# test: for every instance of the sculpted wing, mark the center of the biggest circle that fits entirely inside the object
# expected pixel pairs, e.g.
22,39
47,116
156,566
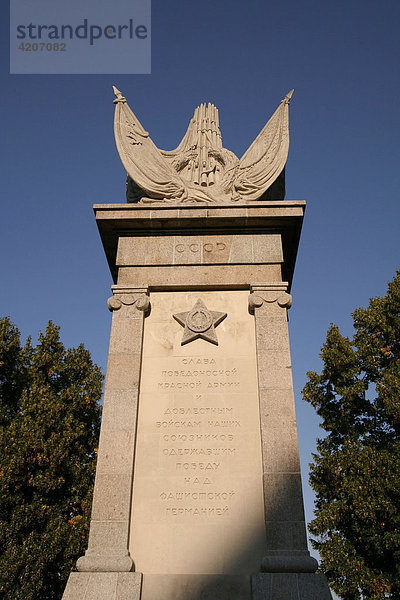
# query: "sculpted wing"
263,162
141,158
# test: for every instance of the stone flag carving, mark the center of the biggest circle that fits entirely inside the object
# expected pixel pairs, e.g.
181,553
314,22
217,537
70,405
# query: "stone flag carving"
200,169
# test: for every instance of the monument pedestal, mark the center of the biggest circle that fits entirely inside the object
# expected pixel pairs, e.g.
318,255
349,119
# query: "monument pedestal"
290,586
198,489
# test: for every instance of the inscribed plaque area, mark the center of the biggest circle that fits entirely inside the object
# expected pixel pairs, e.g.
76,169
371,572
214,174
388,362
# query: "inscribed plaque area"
197,499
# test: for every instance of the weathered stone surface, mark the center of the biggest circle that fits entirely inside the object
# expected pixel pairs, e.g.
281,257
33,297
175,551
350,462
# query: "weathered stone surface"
277,405
199,276
108,538
105,563
126,337
283,498
110,586
281,452
116,452
123,371
196,587
199,249
197,499
237,222
120,411
113,496
284,535
275,369
290,586
279,440
272,333
288,561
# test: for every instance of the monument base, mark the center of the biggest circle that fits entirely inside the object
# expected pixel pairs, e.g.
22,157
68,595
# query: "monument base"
103,586
135,586
196,587
290,586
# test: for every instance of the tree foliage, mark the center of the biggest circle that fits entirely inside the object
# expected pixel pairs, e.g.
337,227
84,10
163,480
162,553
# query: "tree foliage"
49,426
356,472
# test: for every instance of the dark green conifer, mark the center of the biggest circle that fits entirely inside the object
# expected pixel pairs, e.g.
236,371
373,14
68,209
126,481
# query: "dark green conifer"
356,471
49,427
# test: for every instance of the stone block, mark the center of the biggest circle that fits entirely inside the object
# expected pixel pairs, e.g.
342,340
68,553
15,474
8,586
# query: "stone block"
76,586
222,212
126,336
119,410
280,452
132,250
196,587
145,250
115,452
103,586
129,586
278,431
105,563
216,248
164,213
112,497
283,535
197,213
290,586
275,369
187,250
274,211
199,249
203,276
160,250
122,371
283,497
271,587
277,405
267,248
108,537
288,561
241,249
272,332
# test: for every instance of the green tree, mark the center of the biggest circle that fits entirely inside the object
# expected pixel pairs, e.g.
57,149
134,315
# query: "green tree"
49,427
356,471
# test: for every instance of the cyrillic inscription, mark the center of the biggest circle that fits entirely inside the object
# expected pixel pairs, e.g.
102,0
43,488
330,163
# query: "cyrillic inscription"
197,246
198,450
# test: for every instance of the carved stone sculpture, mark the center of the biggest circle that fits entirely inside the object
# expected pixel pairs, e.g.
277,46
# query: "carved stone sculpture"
198,490
200,169
199,323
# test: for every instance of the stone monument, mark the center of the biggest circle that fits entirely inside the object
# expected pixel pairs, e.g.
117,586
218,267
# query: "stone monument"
198,488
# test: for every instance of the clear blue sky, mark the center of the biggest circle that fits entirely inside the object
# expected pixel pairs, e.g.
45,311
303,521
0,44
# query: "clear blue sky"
58,157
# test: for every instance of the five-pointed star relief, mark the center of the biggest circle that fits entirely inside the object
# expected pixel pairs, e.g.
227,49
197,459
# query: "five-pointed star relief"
199,323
